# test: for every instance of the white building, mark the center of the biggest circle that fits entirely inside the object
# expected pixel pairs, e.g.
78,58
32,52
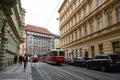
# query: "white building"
38,40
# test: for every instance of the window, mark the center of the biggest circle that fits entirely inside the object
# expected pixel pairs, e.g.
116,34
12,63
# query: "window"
80,15
80,32
84,11
92,27
99,2
85,29
61,53
116,47
99,23
91,7
101,49
80,52
75,5
69,38
72,36
30,41
109,18
118,13
76,35
74,22
79,1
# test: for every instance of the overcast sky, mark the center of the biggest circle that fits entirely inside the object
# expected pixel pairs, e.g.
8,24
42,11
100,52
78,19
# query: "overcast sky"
43,13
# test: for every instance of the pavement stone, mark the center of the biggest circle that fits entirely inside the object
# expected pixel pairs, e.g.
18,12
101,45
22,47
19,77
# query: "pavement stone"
17,72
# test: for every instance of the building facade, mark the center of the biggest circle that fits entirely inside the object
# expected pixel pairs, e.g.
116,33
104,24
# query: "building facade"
11,31
89,27
38,40
57,42
23,46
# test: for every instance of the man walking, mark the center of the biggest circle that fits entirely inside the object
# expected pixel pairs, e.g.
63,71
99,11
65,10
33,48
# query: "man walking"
25,61
20,59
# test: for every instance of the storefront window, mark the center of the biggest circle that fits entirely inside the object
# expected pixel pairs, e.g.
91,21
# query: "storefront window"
116,47
101,49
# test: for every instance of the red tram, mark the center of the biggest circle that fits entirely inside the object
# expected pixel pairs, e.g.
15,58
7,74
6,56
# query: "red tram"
55,56
34,58
43,57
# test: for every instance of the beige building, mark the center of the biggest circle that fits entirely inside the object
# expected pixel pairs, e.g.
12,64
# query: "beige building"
90,27
57,42
11,31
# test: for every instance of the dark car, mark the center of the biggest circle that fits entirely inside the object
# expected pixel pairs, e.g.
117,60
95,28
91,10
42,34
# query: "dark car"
80,61
104,62
69,61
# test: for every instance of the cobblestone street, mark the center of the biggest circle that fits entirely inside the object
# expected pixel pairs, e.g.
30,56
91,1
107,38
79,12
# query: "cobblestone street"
16,72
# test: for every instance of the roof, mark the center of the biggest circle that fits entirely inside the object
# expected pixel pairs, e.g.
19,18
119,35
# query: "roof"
37,29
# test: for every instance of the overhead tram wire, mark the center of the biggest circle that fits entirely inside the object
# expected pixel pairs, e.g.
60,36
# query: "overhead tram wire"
53,13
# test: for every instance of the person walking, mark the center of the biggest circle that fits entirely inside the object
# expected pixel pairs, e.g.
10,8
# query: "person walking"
15,59
20,59
25,61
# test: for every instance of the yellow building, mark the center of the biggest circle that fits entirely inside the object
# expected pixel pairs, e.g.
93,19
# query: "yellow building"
89,27
56,41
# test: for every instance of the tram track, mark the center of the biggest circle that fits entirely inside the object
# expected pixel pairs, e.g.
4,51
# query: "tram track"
81,76
57,74
96,75
66,72
77,72
54,74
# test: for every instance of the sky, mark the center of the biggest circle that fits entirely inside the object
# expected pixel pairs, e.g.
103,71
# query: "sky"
43,13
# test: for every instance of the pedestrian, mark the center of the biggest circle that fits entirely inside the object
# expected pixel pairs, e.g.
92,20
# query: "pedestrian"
15,59
25,60
20,59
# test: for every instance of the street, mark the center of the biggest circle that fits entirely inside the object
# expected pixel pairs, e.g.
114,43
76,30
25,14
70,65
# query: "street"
43,71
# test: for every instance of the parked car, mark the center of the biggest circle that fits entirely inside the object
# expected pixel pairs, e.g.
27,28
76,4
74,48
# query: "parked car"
104,62
80,61
69,61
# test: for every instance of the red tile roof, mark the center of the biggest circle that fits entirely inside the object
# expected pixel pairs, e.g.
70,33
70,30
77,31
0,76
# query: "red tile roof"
37,29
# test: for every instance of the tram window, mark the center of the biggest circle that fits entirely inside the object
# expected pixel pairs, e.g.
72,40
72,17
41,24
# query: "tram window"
61,53
54,53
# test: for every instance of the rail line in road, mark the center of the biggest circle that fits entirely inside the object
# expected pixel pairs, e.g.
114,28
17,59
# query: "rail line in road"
58,73
68,72
50,72
96,75
80,73
77,74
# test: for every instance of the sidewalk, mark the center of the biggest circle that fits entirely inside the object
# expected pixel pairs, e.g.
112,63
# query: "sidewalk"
17,72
